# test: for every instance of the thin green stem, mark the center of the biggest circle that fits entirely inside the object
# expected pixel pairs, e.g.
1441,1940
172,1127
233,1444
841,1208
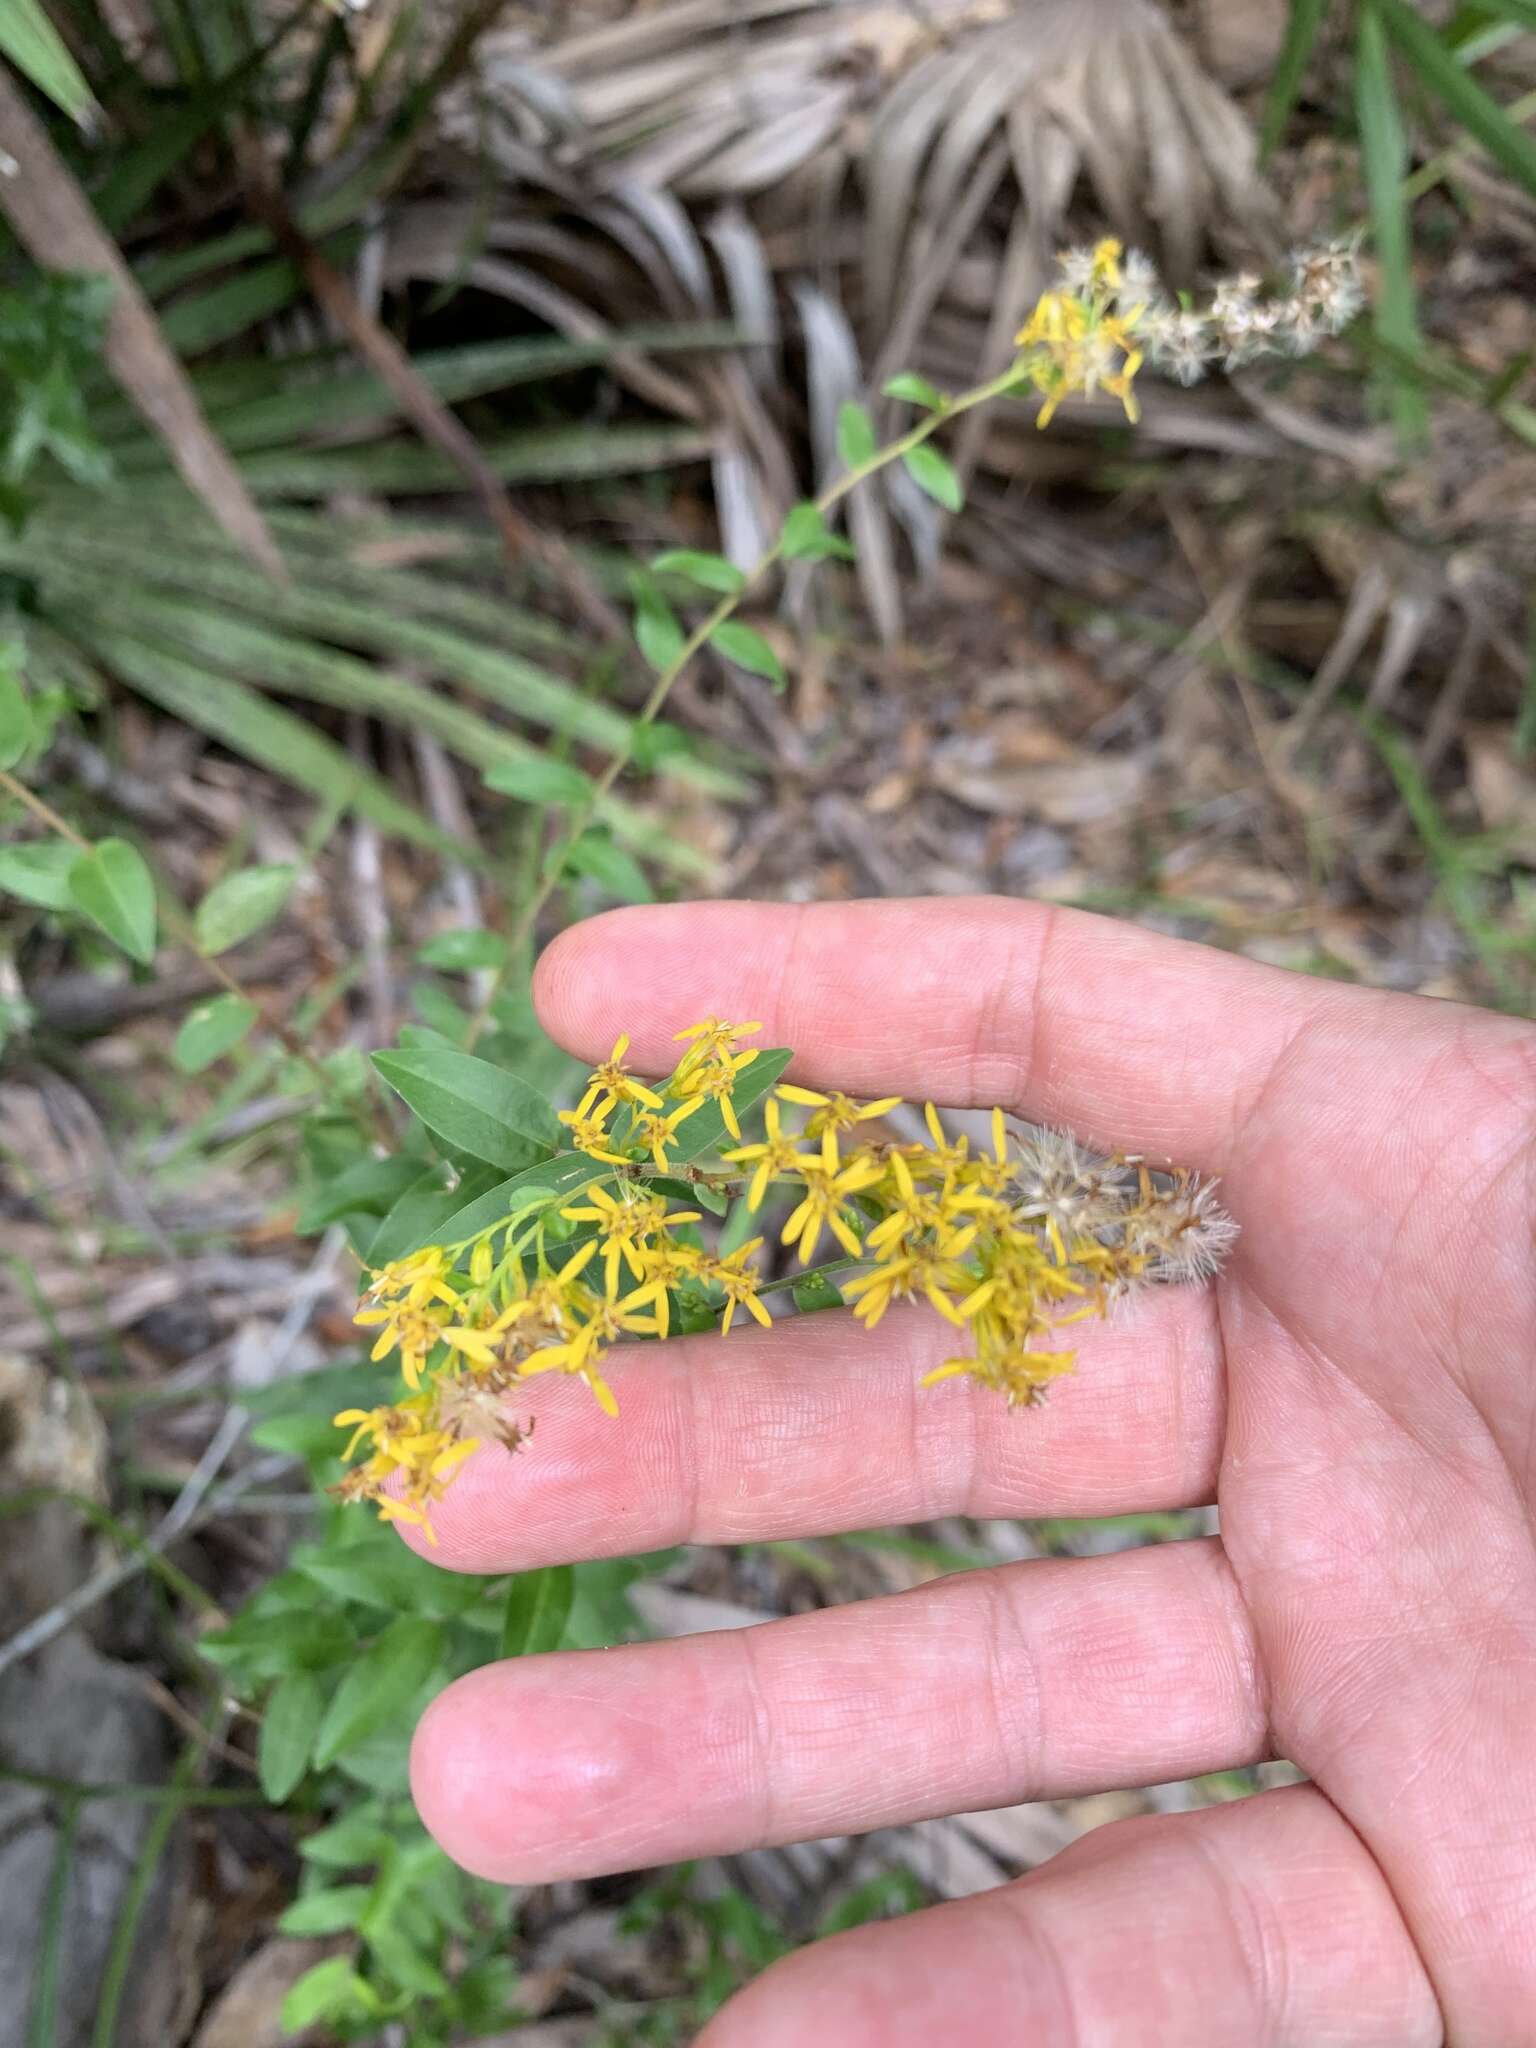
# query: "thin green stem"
135,1795
581,813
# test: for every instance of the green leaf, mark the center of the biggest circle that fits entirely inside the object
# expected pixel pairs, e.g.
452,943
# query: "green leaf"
1301,33
417,1217
856,441
538,1607
710,572
347,1844
336,1910
931,473
916,391
619,872
15,717
380,1685
748,649
288,1727
808,538
112,886
35,47
241,904
367,1189
1479,113
211,1030
388,1576
473,1105
540,781
1384,155
332,1990
537,1186
657,633
816,1292
38,872
459,952
272,1645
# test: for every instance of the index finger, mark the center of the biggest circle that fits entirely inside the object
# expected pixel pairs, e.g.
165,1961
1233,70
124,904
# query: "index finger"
1121,1035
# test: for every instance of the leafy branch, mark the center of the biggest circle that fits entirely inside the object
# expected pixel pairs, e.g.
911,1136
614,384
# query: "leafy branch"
805,536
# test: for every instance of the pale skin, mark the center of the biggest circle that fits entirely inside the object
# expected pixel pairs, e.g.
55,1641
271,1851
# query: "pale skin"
1357,1393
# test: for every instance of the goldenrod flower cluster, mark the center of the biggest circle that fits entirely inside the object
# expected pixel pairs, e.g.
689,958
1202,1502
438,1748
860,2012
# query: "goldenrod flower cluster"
1009,1243
1110,314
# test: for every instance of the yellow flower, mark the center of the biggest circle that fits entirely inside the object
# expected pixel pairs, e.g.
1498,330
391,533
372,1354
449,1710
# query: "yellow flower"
415,1331
836,1112
422,1278
626,1223
715,1082
713,1039
586,1124
829,1186
927,1273
614,1080
607,1317
1022,1375
657,1131
776,1159
740,1281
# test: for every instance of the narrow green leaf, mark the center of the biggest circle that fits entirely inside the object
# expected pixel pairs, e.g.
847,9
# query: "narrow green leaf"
211,1030
1479,113
366,1189
808,538
538,1607
539,780
15,717
916,391
289,1724
38,872
388,1576
380,1685
332,1990
931,473
460,951
241,904
349,1843
748,649
335,1911
1301,32
112,886
473,1105
657,633
856,441
36,48
710,572
417,1217
595,855
1384,155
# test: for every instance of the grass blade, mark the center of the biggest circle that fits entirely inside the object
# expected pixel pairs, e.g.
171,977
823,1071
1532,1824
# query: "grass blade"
1301,33
1384,154
39,52
1477,111
275,739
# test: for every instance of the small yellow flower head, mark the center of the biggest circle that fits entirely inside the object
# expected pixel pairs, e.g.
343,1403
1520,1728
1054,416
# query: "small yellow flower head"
836,1112
715,1081
739,1279
658,1130
587,1124
615,1081
776,1158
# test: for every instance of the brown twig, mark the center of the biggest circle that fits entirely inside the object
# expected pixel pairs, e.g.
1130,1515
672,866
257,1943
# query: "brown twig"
54,222
433,420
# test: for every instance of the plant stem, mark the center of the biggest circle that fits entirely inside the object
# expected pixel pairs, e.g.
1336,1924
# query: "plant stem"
661,689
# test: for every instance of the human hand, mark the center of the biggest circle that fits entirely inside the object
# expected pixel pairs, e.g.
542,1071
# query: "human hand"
1357,1392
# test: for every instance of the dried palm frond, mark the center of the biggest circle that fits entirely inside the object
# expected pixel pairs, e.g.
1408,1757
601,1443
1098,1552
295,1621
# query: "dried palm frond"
965,134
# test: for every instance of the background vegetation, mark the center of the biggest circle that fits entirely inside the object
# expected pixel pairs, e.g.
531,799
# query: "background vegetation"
352,361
